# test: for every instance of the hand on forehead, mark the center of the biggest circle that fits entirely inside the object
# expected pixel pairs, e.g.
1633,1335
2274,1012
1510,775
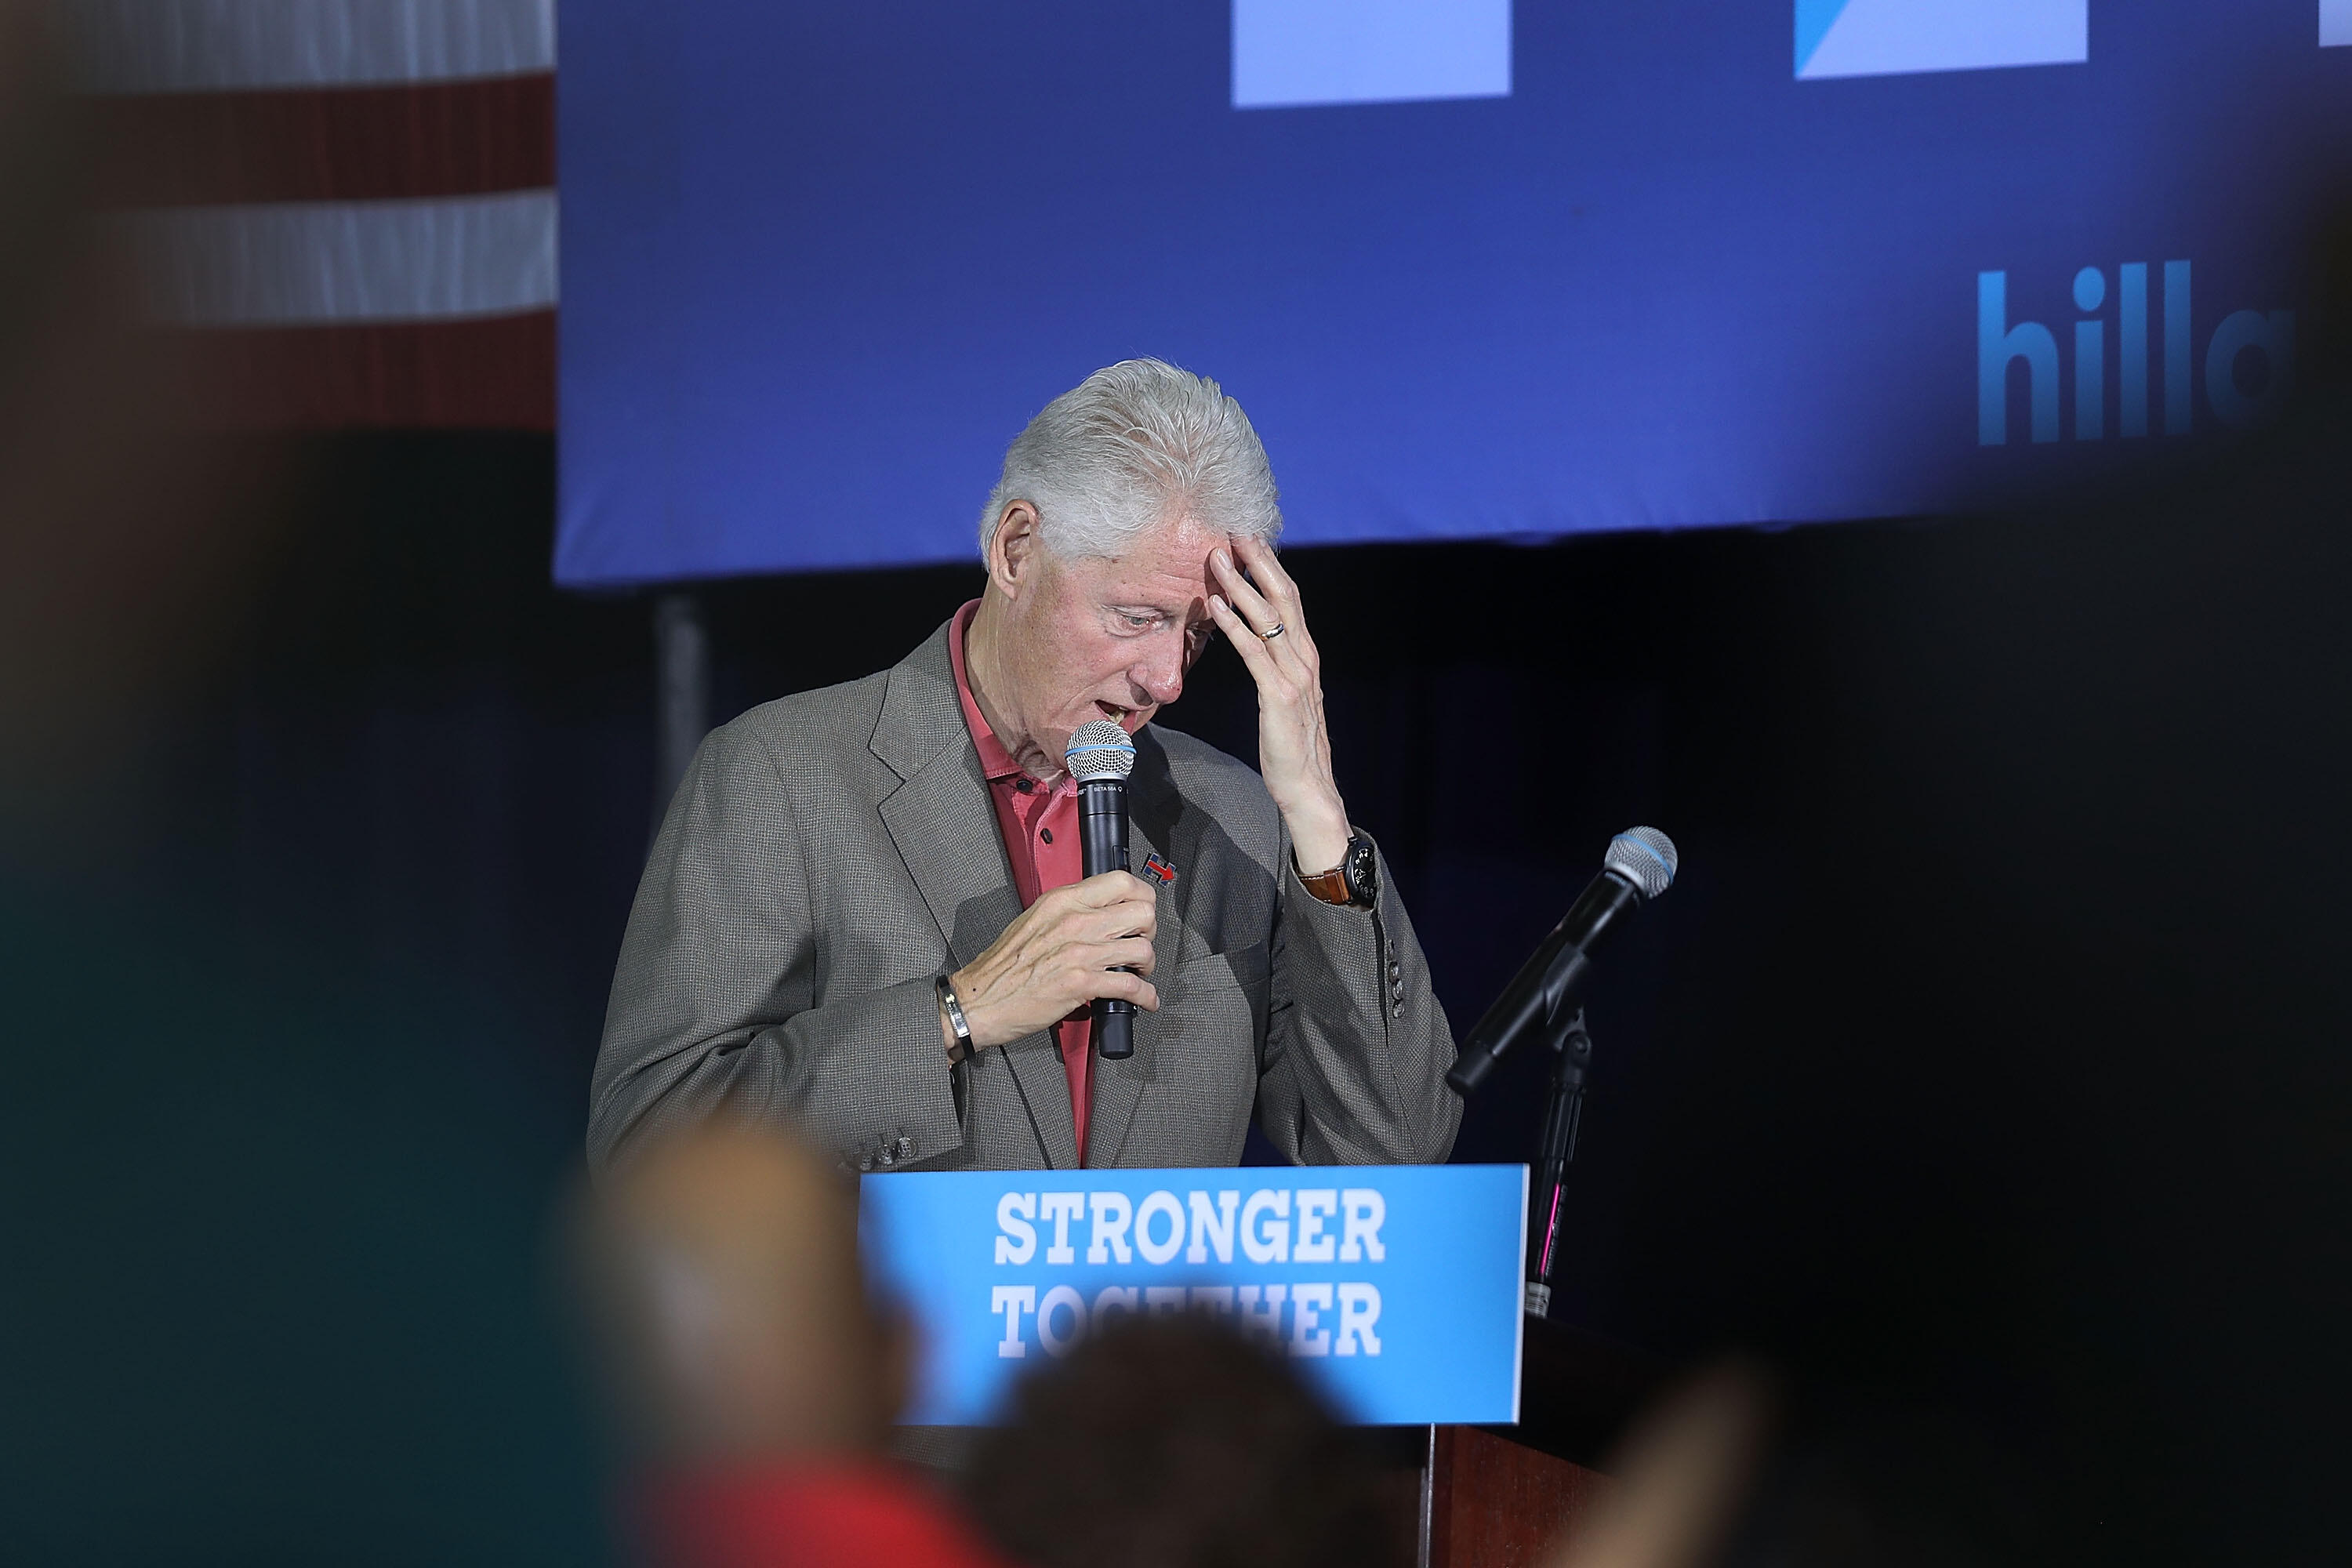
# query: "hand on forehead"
1200,546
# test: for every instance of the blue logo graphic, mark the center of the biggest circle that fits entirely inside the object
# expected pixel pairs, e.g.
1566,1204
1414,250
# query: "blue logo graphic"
1885,37
2249,359
1289,53
1396,1287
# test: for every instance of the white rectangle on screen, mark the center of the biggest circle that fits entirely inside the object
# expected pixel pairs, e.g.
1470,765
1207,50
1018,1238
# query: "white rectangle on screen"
2334,21
1889,37
1290,53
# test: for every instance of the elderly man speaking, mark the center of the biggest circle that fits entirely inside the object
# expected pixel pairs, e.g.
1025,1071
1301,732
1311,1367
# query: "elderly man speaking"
865,914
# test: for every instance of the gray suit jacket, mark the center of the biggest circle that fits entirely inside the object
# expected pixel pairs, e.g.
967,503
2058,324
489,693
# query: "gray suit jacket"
829,854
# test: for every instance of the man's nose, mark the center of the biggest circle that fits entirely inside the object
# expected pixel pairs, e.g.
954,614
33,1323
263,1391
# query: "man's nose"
1160,674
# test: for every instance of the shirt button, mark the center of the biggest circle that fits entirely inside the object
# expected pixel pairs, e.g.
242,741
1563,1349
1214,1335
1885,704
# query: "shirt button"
1396,1010
905,1146
865,1162
1046,834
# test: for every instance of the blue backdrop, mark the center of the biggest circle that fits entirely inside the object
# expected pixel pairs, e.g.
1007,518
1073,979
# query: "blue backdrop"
1475,268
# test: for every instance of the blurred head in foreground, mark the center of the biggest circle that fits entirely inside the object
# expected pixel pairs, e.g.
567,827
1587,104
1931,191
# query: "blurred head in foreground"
724,1265
1171,1442
755,1382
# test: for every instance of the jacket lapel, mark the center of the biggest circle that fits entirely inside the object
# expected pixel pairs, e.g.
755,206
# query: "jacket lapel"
944,827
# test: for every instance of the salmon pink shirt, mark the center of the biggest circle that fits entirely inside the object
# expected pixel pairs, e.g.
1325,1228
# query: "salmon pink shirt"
1040,827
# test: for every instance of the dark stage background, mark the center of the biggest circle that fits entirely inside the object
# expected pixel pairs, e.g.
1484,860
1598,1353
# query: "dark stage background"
1986,1061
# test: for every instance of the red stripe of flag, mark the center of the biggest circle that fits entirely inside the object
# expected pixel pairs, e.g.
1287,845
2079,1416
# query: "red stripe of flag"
492,374
364,143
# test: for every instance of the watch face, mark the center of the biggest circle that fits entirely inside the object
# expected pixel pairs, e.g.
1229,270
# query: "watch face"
1363,871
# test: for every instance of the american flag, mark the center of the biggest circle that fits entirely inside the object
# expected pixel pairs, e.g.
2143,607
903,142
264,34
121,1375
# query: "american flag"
346,207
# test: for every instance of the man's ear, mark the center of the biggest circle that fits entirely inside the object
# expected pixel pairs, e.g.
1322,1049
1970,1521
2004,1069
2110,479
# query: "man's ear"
1013,555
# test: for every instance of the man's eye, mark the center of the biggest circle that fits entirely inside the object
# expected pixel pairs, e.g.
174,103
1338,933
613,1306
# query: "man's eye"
1140,623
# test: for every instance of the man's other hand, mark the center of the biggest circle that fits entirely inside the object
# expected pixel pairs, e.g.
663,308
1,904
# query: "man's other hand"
1064,950
1294,744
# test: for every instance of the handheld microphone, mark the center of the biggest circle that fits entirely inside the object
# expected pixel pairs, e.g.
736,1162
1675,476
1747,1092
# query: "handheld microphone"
1639,867
1100,757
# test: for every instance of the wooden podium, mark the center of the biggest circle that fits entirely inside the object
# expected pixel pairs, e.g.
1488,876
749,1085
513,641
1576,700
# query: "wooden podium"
1500,1496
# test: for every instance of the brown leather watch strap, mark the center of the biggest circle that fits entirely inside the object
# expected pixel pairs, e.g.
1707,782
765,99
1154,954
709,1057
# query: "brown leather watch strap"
1332,886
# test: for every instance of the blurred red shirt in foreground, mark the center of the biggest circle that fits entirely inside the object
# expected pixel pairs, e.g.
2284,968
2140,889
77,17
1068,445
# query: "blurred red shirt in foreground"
799,1515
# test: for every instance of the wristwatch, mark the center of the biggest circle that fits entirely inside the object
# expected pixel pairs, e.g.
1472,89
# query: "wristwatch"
1354,881
954,1011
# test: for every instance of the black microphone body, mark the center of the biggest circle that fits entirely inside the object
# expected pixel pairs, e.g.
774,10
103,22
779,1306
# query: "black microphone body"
1102,839
1541,993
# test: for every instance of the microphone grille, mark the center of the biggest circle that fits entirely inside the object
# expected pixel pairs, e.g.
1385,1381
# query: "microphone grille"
1643,856
1100,751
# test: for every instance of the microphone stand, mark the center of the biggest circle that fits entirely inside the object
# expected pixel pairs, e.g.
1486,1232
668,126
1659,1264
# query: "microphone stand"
1572,1046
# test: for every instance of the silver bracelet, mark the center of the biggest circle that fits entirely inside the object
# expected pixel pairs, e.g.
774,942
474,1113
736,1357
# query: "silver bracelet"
954,1010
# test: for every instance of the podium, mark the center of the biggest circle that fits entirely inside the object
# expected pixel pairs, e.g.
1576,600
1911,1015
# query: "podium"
1500,1497
1401,1286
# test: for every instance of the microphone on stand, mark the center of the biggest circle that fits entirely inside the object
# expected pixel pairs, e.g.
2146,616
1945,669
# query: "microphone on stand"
1639,867
1100,756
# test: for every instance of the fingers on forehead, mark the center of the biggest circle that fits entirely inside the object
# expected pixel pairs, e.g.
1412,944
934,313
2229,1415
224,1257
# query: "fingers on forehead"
1246,592
1272,588
1262,559
1245,643
1261,567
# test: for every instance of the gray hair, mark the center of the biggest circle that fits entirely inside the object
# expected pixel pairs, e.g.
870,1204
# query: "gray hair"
1134,444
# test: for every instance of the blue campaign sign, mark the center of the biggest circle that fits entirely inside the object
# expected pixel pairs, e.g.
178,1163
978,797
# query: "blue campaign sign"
1475,269
1397,1288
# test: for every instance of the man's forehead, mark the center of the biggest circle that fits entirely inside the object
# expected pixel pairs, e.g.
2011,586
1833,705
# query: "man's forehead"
1167,570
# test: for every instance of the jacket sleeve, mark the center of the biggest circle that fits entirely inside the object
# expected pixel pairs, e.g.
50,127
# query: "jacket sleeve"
714,997
1356,1046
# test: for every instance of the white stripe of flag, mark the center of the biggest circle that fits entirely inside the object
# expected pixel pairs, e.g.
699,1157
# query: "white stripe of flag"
200,46
306,263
